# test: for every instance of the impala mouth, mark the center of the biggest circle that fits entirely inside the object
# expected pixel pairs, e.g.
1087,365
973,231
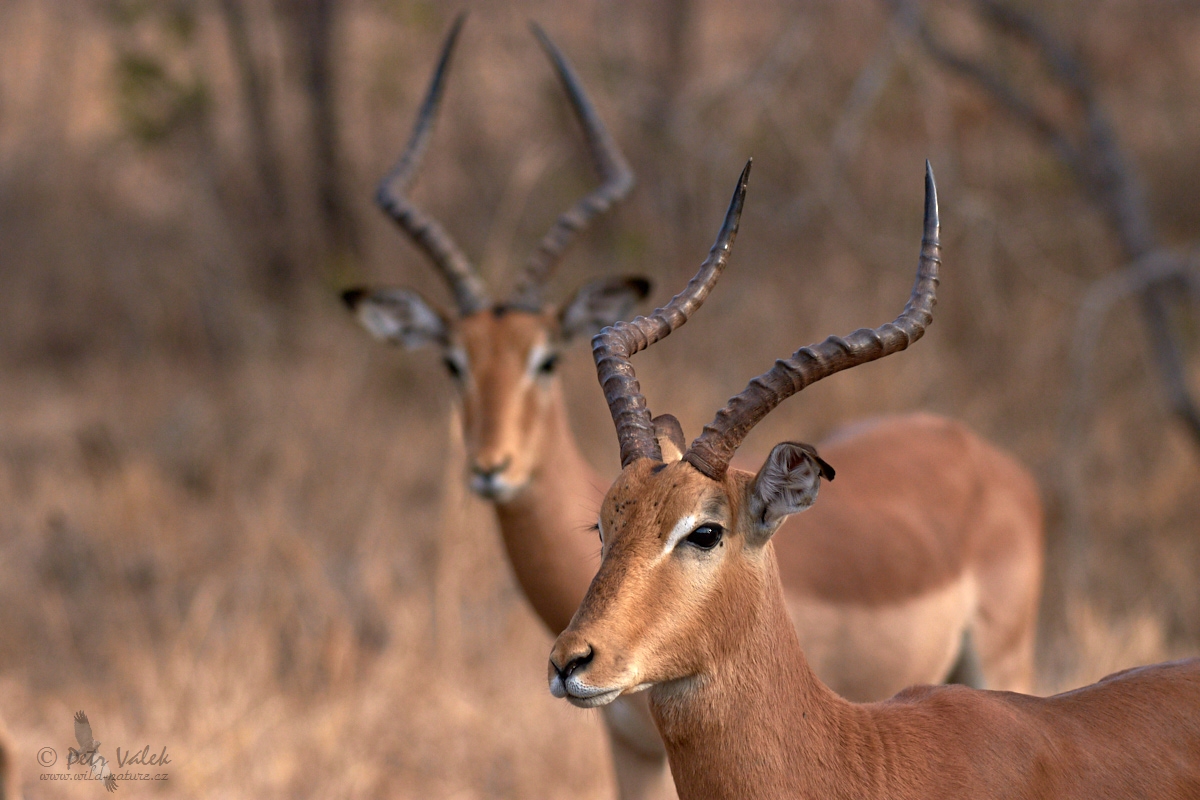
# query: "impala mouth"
580,695
494,488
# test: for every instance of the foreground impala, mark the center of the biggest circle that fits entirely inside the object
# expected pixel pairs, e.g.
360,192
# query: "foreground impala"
688,604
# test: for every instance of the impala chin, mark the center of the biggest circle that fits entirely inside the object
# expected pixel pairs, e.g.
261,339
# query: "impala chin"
580,694
579,677
496,489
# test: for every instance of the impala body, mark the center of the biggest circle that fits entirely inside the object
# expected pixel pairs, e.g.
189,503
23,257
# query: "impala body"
688,604
952,590
923,561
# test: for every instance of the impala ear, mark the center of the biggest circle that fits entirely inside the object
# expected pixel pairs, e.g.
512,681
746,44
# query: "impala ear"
786,484
399,316
601,303
669,434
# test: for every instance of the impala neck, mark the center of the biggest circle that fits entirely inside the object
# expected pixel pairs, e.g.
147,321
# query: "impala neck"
761,724
546,528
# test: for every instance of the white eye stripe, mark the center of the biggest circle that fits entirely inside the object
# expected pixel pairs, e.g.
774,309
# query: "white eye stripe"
537,354
682,529
459,357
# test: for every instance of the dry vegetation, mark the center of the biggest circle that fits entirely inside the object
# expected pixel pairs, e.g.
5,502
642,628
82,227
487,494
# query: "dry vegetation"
231,525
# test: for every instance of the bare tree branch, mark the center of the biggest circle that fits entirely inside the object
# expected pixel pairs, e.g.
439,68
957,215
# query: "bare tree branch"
267,161
1098,163
1153,269
313,25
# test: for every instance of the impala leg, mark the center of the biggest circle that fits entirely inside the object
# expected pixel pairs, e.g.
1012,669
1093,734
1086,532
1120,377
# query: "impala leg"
968,668
1005,625
639,758
1010,666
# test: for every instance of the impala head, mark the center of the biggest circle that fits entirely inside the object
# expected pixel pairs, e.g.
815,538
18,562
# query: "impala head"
685,539
502,356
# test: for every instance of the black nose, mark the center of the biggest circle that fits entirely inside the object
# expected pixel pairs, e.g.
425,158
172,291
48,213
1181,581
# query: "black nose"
575,664
492,471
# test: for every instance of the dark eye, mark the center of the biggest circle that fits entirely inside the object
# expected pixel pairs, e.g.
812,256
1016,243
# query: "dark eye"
548,365
453,367
706,537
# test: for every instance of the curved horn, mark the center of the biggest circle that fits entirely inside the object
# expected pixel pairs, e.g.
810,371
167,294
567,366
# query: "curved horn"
610,164
714,447
470,293
613,346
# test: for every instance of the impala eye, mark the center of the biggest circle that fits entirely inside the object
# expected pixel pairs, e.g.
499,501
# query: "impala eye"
455,369
706,537
548,364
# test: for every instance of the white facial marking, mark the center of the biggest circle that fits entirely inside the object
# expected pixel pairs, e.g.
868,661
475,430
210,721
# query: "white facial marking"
459,356
537,354
682,528
379,323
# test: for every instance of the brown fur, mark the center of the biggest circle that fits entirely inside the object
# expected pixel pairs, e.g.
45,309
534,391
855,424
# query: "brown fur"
920,502
503,411
743,715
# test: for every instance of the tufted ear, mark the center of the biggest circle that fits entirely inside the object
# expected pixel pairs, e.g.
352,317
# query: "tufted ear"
600,304
399,316
787,483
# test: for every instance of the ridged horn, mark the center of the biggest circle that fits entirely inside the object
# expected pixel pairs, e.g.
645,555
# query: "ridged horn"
613,346
712,450
615,174
470,292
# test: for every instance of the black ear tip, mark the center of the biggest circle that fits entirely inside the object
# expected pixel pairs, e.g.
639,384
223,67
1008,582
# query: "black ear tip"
352,297
827,471
641,287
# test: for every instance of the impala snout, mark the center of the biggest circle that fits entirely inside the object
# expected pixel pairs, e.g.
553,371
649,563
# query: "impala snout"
490,480
569,673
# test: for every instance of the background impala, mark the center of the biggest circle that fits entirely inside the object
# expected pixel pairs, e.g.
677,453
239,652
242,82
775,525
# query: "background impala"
220,508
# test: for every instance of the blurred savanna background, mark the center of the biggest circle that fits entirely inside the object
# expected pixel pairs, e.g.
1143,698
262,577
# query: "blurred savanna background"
233,526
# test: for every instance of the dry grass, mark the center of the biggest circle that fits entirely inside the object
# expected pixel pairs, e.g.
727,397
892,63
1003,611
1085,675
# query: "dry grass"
232,526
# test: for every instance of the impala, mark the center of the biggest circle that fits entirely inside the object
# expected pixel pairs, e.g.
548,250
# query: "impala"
951,592
688,604
503,359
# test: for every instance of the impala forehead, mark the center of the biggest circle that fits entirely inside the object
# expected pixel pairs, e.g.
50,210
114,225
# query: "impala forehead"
661,504
505,339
